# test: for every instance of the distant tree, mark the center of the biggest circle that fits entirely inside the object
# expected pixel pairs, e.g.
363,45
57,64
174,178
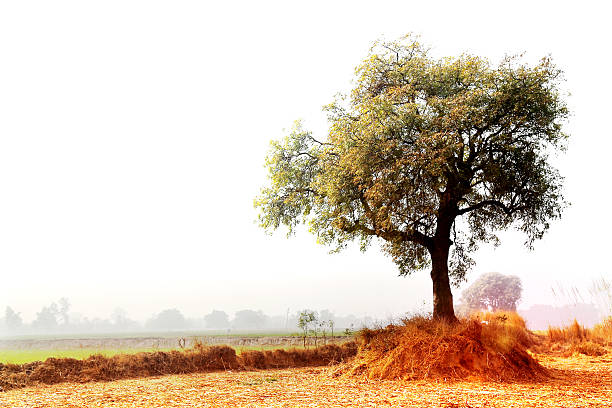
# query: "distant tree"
121,321
46,319
325,315
493,291
249,319
169,319
12,320
306,320
428,156
217,319
64,307
331,325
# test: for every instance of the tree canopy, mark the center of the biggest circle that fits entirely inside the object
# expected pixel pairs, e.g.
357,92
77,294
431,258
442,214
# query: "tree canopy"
493,291
431,156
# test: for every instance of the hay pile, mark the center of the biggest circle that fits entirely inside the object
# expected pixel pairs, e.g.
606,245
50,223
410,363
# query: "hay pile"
198,359
420,348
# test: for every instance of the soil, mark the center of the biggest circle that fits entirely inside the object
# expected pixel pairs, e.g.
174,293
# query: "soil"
577,381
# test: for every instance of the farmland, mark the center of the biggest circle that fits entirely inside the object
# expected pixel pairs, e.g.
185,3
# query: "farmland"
577,381
563,368
37,348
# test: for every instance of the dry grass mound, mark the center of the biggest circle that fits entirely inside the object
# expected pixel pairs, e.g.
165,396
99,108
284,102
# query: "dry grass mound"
197,359
493,349
320,356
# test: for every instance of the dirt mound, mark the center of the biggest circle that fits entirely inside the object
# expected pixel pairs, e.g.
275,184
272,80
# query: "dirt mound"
421,348
196,359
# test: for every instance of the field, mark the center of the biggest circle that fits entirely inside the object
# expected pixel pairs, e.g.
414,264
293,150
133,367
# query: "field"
577,381
35,348
481,365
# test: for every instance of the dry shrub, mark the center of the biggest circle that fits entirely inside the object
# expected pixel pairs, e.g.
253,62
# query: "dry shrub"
604,330
589,348
422,348
574,333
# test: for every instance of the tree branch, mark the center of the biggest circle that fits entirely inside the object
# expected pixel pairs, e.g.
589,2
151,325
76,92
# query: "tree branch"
495,203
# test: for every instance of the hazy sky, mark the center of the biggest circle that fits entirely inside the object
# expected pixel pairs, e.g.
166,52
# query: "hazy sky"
133,135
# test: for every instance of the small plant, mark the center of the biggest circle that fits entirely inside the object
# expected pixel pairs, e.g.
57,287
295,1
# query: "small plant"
306,319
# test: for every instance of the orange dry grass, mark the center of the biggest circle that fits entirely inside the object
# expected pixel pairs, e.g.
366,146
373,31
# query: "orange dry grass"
578,339
604,330
579,381
503,330
574,333
422,348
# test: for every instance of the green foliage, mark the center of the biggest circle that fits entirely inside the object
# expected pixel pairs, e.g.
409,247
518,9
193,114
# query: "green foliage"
307,319
493,291
432,156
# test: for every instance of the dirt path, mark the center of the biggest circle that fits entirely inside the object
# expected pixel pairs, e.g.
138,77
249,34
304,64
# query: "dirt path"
579,382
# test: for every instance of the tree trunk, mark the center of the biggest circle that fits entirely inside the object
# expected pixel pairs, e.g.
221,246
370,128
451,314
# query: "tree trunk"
442,296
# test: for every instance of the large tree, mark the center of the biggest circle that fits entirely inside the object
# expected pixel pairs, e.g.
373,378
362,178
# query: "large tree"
493,291
431,156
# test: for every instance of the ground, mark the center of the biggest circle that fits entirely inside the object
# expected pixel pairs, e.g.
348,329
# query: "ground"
577,381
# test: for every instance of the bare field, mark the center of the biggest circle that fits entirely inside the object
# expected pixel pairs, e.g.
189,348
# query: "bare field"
577,381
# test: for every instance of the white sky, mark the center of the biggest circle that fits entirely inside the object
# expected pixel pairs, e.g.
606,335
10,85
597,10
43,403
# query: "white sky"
133,134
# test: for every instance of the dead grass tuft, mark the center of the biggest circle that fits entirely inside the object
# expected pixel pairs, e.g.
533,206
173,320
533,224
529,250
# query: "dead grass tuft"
604,330
421,348
574,333
588,348
575,338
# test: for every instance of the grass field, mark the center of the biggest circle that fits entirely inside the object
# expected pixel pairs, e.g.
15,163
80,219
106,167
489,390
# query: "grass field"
17,356
27,356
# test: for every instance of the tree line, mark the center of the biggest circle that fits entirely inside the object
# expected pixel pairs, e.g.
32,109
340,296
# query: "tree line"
58,317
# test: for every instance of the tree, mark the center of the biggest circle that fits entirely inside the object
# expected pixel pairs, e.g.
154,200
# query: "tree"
493,291
307,319
121,321
249,319
217,319
12,320
169,319
64,307
46,319
429,156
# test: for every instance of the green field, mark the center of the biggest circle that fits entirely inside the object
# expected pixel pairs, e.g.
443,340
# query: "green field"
27,356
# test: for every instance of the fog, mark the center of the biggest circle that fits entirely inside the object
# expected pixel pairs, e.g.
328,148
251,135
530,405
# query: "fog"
133,137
